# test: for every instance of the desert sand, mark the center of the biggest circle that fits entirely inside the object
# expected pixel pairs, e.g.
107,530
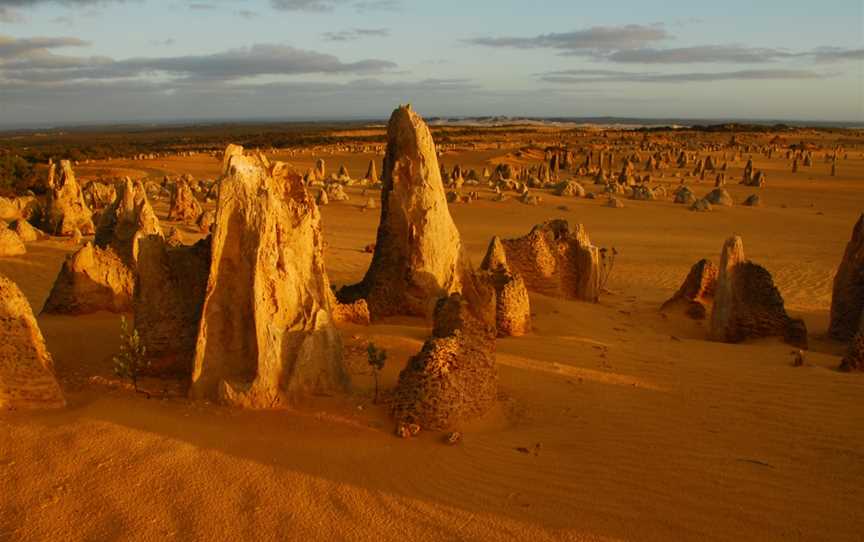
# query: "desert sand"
613,421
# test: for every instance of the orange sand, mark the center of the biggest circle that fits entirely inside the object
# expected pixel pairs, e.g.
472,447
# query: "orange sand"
646,431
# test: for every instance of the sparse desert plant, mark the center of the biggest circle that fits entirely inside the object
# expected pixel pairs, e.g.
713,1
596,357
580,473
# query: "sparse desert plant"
132,358
376,358
607,264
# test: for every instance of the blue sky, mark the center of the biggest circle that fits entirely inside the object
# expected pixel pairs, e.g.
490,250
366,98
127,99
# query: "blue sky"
68,61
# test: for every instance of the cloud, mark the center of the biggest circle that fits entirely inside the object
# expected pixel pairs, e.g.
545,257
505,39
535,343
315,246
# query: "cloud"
31,60
12,47
305,5
597,38
353,34
246,13
10,16
373,6
735,54
834,54
614,76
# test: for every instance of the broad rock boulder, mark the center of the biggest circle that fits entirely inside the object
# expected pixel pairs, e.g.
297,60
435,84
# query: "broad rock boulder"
747,304
555,261
26,367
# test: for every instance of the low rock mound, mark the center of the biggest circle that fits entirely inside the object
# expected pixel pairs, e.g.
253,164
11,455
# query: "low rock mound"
91,280
555,261
720,196
26,367
747,304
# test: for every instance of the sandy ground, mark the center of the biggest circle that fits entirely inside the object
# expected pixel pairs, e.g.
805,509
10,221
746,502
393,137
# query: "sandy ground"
635,426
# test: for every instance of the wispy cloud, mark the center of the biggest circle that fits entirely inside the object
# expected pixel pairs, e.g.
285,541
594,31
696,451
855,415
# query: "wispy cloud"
32,60
575,77
353,34
597,38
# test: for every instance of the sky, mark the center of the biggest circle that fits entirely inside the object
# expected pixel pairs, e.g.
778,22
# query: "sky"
103,61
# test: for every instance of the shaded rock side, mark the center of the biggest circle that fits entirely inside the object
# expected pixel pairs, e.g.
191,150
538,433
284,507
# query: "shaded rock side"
168,299
696,294
847,297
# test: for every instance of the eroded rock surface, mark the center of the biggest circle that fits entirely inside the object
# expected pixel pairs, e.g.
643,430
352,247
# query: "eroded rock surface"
26,367
267,334
847,298
418,254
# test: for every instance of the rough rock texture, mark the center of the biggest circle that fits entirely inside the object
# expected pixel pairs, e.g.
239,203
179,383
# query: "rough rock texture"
26,367
418,253
555,261
99,195
685,195
720,196
454,377
570,188
854,358
747,304
267,334
753,200
371,173
168,298
184,206
701,206
696,294
27,232
126,220
847,297
355,313
205,221
231,150
8,210
91,280
66,210
512,305
10,243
